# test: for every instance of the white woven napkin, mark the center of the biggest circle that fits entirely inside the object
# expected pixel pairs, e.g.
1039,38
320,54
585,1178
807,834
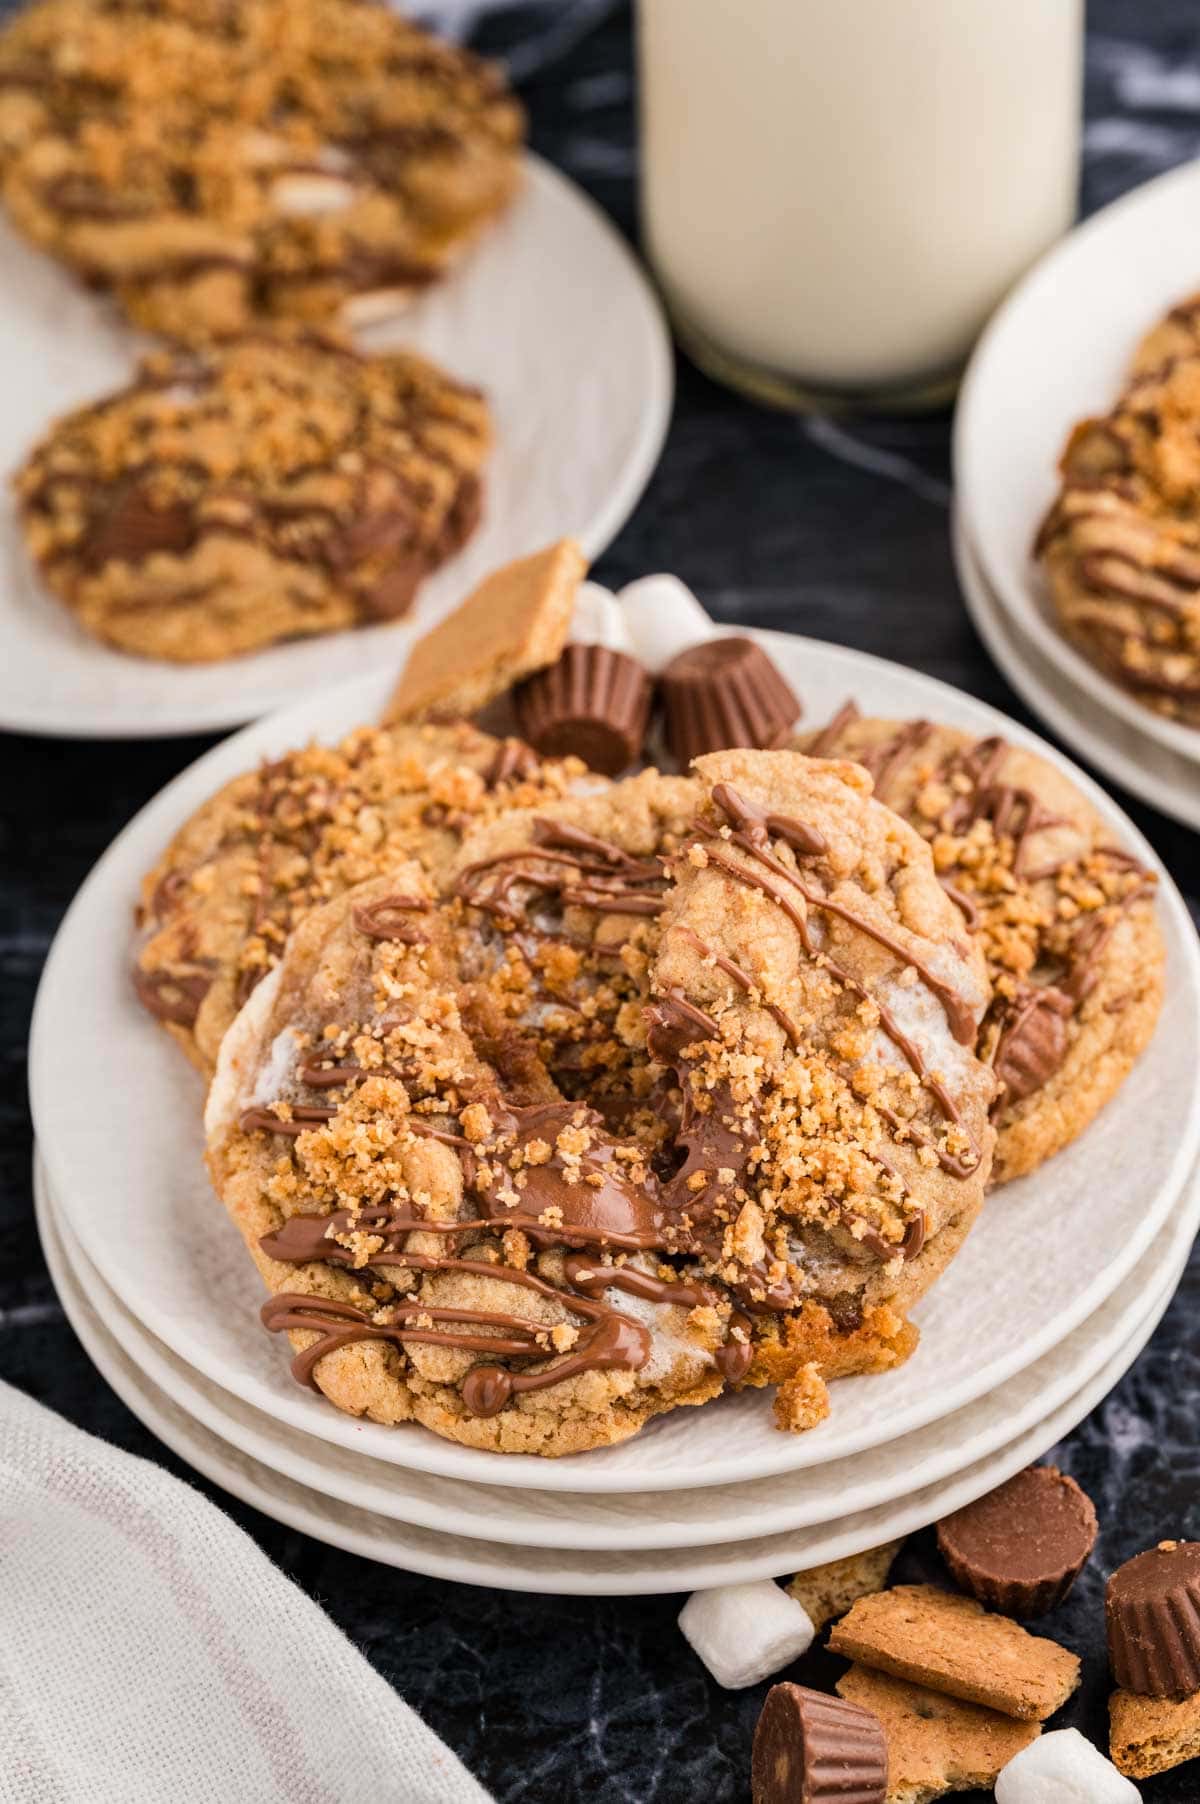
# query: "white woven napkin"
149,1651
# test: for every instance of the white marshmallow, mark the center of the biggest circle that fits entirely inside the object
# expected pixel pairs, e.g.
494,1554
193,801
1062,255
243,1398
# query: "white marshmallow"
663,618
598,620
743,1633
1063,1768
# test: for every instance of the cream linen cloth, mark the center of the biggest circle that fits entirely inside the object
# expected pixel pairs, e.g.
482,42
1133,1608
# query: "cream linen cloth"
150,1654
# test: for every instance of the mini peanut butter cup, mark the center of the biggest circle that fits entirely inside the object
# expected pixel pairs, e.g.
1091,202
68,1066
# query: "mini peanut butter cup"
721,694
593,703
1021,1548
1152,1609
809,1747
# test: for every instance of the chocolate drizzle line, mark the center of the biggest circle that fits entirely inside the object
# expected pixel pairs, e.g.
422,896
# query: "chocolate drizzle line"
743,980
384,919
591,873
610,1210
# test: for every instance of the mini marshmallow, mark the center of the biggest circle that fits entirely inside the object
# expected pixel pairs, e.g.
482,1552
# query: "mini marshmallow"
1063,1768
663,618
598,619
743,1633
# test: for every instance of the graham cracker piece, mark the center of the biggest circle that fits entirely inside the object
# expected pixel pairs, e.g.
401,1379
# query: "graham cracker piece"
828,1591
935,1744
513,623
953,1645
1151,1735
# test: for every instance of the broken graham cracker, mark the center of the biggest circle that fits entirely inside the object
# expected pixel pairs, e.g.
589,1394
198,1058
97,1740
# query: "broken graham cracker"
1151,1735
513,623
828,1591
953,1645
935,1744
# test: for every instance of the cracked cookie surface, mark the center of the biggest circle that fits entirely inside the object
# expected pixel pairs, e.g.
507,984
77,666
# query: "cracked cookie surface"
1064,916
268,490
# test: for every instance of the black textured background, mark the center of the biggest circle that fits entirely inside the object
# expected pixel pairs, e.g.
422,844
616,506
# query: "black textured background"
839,531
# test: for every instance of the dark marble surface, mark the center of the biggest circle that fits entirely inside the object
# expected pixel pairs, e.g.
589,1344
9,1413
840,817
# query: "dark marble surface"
839,531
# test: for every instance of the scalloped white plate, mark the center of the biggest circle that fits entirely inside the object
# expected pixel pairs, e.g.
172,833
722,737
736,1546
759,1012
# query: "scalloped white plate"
533,1566
117,1112
1141,765
1055,352
645,1520
551,314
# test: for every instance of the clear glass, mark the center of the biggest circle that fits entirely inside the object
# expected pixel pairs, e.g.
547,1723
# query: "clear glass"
837,193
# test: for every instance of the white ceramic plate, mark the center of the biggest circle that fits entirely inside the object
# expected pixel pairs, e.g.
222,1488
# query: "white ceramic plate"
647,1520
550,314
1124,753
532,1566
1056,351
117,1113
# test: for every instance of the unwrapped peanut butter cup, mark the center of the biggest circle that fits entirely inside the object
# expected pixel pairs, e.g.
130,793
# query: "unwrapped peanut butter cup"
721,694
594,703
1021,1548
809,1747
1152,1608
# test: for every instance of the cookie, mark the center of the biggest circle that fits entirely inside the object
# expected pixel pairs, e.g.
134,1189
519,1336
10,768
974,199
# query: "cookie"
935,1744
817,998
1151,1735
268,490
952,1644
1120,545
277,842
828,1591
445,1243
1064,916
217,166
515,622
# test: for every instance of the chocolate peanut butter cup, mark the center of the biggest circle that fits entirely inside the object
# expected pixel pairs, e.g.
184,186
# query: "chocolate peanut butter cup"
1021,1548
594,703
1152,1609
724,694
809,1747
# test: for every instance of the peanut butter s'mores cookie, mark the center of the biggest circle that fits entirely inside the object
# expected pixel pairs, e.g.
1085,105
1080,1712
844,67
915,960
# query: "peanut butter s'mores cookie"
1064,916
277,842
215,165
818,998
270,489
447,1242
1121,544
526,1159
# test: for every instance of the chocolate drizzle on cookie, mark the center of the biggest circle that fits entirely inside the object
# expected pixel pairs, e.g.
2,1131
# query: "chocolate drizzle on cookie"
1027,1032
573,1192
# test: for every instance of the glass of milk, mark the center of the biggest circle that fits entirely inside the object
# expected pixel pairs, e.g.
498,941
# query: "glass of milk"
837,193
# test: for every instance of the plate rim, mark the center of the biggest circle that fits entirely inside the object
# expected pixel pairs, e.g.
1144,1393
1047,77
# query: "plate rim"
164,812
1017,597
599,532
1002,639
870,1532
155,1361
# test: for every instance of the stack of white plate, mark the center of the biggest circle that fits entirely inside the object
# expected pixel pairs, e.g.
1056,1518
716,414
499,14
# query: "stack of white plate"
1058,1287
1057,352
